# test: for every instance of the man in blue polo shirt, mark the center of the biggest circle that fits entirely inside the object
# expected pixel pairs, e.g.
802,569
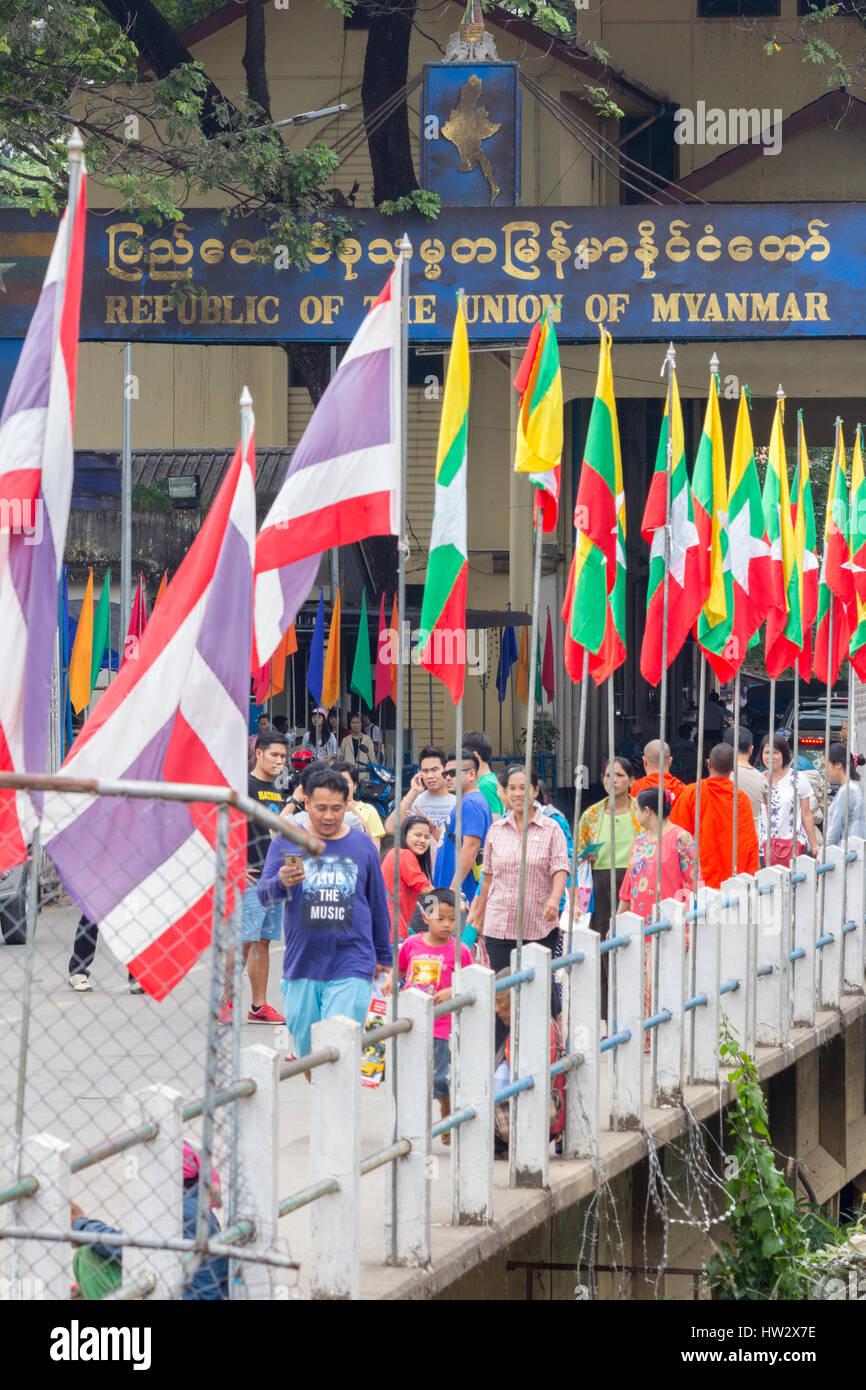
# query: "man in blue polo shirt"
476,821
336,920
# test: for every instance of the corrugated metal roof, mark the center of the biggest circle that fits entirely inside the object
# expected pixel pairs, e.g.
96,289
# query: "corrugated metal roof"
155,465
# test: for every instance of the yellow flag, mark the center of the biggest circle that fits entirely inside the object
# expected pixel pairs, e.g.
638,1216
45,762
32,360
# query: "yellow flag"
331,676
82,653
521,678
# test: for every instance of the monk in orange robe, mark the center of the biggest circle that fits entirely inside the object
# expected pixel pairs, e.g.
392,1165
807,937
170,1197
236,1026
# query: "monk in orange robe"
716,844
651,758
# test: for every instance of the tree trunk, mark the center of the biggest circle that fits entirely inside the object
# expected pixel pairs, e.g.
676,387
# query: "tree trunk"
313,364
254,57
386,70
161,47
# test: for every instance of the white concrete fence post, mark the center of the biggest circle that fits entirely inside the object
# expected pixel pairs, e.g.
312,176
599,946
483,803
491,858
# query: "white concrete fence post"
627,1104
414,1080
44,1268
829,955
472,1151
734,956
257,1178
804,909
706,1018
583,1083
335,1151
153,1189
852,946
670,945
773,1006
530,1110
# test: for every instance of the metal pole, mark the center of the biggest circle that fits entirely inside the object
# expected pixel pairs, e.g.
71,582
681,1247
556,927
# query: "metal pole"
611,979
693,948
527,806
770,750
578,804
670,362
826,769
205,1185
499,700
459,920
234,1190
847,825
796,755
430,690
126,500
530,735
736,839
402,548
334,553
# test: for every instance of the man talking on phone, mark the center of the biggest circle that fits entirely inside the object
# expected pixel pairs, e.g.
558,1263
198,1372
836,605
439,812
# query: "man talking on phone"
336,919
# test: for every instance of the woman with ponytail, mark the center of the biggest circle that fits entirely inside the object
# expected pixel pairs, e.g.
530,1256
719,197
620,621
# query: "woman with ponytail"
638,891
848,801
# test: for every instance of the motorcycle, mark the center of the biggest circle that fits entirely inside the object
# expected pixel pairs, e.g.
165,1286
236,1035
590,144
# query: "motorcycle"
376,787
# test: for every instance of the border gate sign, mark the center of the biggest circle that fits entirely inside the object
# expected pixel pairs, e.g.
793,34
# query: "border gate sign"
691,272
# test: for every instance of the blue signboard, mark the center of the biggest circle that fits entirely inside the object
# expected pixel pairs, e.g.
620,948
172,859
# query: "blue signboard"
759,271
470,133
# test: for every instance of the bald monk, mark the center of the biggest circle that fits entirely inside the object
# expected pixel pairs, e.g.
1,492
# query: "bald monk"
716,843
651,758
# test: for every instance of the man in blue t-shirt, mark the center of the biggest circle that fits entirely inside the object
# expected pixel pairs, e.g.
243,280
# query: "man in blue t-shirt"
336,921
476,821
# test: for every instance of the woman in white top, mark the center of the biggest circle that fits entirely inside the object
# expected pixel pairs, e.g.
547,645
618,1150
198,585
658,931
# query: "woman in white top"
847,804
790,814
318,738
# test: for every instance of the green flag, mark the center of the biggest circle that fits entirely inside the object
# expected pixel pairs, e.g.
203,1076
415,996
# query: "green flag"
362,676
100,629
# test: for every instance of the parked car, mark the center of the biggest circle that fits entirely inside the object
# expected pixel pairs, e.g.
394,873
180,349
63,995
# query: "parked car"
813,720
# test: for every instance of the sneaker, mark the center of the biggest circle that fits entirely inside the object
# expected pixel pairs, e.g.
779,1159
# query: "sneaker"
136,987
265,1015
225,1013
81,984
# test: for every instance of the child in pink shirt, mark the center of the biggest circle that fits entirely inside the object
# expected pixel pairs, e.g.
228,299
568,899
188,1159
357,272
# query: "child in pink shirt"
426,962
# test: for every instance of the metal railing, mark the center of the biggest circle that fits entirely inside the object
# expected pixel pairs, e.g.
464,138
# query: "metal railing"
759,954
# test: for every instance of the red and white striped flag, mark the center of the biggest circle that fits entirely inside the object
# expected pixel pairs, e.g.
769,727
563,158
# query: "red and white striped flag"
36,467
343,482
144,870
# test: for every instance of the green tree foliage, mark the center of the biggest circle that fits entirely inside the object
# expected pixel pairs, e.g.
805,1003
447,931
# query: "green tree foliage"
766,1256
154,142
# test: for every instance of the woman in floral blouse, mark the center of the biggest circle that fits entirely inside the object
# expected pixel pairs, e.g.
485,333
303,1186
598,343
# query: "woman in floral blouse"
638,891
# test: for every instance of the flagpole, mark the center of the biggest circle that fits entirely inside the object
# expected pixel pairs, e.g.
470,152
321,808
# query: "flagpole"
126,496
499,701
736,838
405,253
578,806
847,774
430,691
527,805
693,948
796,756
826,806
670,363
611,976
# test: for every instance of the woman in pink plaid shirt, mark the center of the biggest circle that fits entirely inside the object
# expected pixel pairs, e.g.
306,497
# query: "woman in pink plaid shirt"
547,867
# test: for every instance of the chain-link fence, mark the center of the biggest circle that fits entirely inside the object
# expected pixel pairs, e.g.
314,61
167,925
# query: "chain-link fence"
127,1167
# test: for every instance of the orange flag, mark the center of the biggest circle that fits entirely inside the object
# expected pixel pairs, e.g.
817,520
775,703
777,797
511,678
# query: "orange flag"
82,653
395,665
288,646
161,590
331,676
521,679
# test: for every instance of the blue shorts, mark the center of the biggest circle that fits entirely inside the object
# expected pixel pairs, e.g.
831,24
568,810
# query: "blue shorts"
306,1002
261,923
441,1060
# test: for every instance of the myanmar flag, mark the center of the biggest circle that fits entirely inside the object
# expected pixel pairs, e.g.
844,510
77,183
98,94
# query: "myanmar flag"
803,513
594,608
686,593
539,423
784,640
857,546
710,488
442,640
836,585
748,548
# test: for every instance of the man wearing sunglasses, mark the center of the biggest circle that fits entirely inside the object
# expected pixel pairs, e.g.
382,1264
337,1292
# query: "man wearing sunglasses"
476,821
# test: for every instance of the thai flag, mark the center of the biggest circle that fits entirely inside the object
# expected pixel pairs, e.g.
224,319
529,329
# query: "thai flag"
36,467
144,870
343,482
